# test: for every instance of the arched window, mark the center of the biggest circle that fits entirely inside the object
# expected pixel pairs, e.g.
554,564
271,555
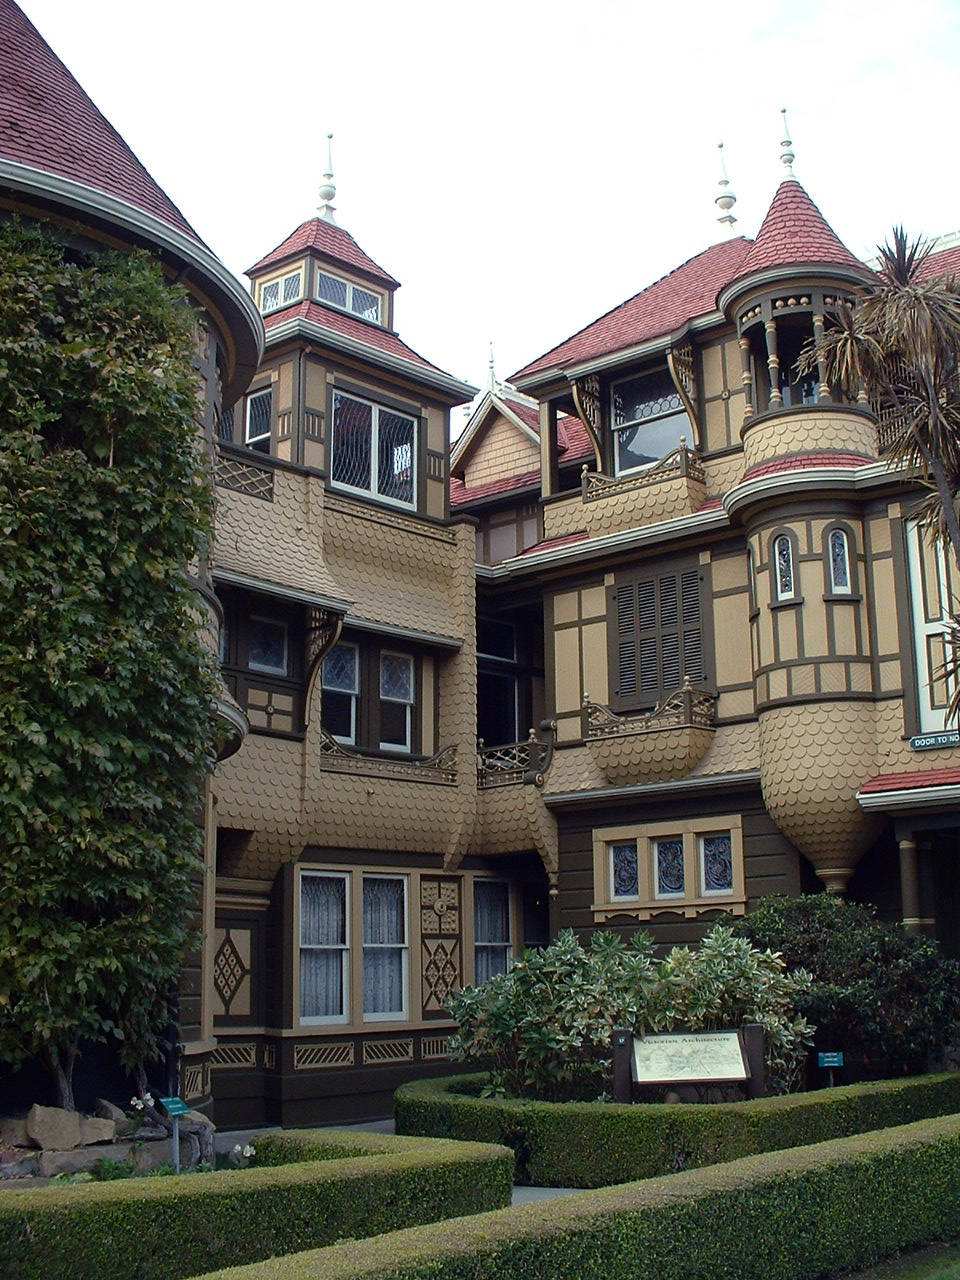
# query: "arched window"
783,567
838,566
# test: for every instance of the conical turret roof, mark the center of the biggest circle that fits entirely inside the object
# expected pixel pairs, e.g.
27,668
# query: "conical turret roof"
795,232
331,242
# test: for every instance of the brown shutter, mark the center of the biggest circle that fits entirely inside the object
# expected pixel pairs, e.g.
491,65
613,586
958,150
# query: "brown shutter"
658,638
625,646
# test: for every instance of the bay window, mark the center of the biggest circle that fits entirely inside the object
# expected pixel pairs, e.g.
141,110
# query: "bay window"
369,697
373,450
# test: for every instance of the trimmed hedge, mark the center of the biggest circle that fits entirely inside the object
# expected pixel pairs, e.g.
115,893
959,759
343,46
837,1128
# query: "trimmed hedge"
166,1228
791,1215
597,1144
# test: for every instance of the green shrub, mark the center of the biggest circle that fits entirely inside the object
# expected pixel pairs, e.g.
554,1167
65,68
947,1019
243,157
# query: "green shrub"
887,998
789,1216
170,1227
595,1144
545,1027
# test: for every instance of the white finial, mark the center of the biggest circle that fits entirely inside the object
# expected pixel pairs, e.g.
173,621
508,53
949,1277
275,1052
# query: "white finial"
492,377
327,187
725,198
787,156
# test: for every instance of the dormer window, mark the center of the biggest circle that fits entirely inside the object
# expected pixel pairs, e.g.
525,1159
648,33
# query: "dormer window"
281,292
341,293
373,450
648,420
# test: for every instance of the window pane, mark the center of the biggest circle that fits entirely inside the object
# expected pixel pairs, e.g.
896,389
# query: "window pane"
395,725
839,566
641,399
626,876
783,554
291,287
365,304
323,911
496,639
267,646
338,715
491,911
352,426
716,853
669,858
321,984
395,462
383,926
340,669
258,420
650,441
330,289
226,424
496,708
383,980
503,542
383,921
396,677
270,296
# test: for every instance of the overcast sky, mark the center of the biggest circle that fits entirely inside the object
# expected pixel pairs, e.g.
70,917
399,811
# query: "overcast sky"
522,167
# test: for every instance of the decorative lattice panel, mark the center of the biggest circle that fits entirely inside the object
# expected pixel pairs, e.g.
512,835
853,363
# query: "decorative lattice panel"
196,1080
269,1057
380,1051
433,1048
231,971
234,1055
441,949
315,1057
246,477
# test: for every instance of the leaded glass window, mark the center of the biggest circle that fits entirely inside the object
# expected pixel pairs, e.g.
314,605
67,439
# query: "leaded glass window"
257,433
341,293
839,562
340,683
624,870
648,420
716,862
374,449
280,293
783,563
396,701
267,646
668,857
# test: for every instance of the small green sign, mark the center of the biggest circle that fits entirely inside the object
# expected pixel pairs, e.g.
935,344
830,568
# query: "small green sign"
174,1106
830,1059
933,741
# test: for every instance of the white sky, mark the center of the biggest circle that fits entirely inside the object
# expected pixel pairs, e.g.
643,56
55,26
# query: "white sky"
522,167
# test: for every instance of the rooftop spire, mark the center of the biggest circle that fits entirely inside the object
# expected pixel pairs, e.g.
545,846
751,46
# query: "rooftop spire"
725,198
327,187
787,156
491,376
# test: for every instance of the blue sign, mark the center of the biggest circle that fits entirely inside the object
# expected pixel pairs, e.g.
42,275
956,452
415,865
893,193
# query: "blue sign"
830,1059
176,1106
931,741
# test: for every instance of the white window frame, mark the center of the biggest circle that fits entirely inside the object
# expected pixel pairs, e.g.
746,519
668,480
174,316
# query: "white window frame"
507,946
404,948
623,897
354,696
702,868
393,653
282,299
332,1019
249,440
782,594
349,307
617,427
261,667
837,589
374,492
932,718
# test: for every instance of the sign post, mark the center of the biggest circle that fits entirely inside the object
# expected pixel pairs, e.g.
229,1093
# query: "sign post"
175,1108
830,1060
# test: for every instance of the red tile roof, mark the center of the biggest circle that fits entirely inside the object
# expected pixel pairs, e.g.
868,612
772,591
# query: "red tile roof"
549,543
461,494
691,290
331,242
912,781
795,231
804,461
945,262
343,323
48,122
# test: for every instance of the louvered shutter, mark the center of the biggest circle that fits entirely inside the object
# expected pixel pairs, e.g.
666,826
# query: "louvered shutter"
626,642
659,637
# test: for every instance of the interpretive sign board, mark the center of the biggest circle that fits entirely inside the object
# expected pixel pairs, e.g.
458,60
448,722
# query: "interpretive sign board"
174,1106
702,1057
830,1059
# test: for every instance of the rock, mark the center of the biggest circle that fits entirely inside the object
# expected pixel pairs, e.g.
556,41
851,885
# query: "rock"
197,1117
13,1132
151,1155
24,1166
93,1129
83,1158
109,1111
151,1133
53,1129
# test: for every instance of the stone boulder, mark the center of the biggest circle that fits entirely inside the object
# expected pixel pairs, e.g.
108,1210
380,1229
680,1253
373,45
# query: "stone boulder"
110,1111
13,1132
53,1129
93,1129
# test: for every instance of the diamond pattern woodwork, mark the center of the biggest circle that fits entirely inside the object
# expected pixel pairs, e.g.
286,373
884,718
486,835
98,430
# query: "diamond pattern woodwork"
441,951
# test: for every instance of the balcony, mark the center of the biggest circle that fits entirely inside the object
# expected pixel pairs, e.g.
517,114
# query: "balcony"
514,764
654,746
439,769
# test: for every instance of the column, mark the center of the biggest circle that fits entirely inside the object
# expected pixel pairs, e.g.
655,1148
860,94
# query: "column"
909,884
773,364
549,478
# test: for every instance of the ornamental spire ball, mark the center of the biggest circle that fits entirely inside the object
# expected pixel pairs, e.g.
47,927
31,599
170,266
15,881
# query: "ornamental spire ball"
787,156
725,198
327,187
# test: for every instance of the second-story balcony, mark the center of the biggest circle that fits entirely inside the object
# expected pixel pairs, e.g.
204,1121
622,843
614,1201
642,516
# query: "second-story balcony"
652,746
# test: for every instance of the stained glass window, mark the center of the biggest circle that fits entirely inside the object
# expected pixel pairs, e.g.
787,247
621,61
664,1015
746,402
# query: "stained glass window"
625,871
783,558
839,563
669,863
648,420
716,858
396,700
268,646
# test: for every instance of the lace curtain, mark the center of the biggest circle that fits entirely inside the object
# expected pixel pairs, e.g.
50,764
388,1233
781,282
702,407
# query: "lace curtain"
383,938
323,936
491,917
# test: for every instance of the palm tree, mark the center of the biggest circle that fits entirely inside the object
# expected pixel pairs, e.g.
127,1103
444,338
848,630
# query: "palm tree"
898,347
